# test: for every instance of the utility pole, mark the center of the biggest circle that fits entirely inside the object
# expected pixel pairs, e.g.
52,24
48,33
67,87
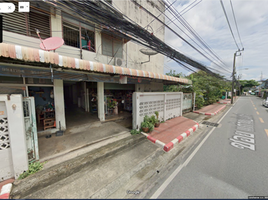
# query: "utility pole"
233,80
232,93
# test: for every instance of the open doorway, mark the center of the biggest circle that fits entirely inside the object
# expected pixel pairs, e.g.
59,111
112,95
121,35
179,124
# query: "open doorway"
80,103
44,107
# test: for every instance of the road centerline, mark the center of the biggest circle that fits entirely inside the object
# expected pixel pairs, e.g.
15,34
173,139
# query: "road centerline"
261,120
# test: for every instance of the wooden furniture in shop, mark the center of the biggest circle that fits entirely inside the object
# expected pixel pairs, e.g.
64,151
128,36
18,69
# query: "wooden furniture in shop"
48,118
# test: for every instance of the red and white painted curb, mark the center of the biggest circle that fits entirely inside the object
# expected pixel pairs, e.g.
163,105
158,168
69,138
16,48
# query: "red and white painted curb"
167,147
5,191
204,113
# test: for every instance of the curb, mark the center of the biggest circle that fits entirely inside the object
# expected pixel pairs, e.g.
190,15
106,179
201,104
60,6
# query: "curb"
22,188
167,147
211,113
5,191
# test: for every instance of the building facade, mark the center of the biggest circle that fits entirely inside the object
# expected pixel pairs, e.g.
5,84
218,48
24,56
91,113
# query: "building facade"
91,68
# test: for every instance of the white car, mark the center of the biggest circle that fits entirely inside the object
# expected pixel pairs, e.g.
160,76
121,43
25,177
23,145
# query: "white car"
265,102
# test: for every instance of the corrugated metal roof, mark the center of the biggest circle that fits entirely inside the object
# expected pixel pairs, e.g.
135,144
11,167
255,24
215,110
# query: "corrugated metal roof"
36,55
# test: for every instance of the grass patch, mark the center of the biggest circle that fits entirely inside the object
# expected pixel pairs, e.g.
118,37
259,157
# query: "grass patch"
135,132
33,168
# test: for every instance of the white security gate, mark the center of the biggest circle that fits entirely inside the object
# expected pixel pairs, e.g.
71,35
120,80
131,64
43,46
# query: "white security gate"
6,164
168,104
187,101
30,128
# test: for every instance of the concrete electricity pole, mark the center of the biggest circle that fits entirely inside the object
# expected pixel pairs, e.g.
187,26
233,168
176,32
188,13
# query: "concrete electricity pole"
232,93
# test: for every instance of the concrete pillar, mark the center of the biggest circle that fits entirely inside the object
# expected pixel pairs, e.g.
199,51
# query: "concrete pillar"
17,136
100,93
56,26
59,104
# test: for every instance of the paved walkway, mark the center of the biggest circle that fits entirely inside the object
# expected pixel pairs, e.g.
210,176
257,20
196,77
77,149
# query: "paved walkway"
227,101
212,109
172,132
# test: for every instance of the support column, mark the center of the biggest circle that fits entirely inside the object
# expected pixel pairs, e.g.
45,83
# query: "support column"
59,104
100,93
17,136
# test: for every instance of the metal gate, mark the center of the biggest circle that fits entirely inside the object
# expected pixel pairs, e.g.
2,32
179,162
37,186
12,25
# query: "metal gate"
30,128
6,164
187,102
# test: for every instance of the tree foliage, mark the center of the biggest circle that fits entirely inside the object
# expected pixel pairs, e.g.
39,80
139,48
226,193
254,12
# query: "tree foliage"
247,84
208,88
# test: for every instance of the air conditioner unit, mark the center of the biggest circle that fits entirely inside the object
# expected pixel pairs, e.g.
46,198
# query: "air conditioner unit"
119,62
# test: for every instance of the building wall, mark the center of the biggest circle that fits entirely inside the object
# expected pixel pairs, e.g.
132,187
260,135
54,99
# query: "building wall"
132,56
139,16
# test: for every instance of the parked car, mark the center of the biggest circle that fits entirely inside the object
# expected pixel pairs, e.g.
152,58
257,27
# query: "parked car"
265,102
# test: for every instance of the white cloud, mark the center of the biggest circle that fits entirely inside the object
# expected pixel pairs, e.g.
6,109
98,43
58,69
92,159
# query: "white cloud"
208,20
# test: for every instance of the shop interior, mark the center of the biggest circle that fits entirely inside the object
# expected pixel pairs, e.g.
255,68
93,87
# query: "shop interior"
44,107
82,107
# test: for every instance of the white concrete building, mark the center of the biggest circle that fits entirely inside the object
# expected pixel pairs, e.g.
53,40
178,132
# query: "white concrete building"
92,66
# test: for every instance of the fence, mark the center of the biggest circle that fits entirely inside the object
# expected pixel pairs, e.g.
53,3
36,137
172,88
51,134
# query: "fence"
168,104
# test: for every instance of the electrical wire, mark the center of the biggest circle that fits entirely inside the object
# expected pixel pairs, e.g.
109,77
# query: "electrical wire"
104,16
195,34
236,23
229,24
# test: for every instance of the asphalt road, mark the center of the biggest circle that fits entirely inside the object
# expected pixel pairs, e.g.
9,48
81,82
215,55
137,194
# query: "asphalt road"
231,162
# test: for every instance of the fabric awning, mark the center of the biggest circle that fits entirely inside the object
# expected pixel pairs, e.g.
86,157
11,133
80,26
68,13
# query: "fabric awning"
27,54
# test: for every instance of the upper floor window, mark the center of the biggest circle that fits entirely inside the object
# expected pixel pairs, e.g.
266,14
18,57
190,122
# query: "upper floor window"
78,34
112,46
27,23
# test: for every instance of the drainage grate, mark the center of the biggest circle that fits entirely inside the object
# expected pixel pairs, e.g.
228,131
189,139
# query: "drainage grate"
210,123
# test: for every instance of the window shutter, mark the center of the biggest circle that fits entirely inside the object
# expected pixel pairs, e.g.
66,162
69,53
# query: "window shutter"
107,45
41,22
118,48
15,22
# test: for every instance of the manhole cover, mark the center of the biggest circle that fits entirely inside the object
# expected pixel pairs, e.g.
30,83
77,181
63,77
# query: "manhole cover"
210,124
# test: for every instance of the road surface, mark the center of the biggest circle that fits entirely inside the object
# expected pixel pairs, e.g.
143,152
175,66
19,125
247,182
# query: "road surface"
231,162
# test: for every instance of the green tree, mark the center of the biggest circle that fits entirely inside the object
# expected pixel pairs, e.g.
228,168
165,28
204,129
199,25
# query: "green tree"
247,84
208,88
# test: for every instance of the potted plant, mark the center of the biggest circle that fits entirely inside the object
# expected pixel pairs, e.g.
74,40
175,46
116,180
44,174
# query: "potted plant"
145,126
157,121
112,105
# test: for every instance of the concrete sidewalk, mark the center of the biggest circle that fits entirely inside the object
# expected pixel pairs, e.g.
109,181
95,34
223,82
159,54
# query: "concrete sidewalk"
211,109
227,101
100,171
172,132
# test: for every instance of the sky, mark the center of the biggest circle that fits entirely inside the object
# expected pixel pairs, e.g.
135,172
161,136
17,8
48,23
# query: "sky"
208,20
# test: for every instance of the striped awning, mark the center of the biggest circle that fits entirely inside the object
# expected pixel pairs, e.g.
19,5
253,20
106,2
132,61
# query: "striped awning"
27,54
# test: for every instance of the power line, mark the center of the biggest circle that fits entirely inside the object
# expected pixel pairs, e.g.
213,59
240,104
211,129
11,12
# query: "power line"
181,12
236,23
174,31
228,23
195,34
99,13
161,13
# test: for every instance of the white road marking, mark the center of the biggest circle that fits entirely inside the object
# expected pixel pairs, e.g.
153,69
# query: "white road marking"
266,130
159,191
